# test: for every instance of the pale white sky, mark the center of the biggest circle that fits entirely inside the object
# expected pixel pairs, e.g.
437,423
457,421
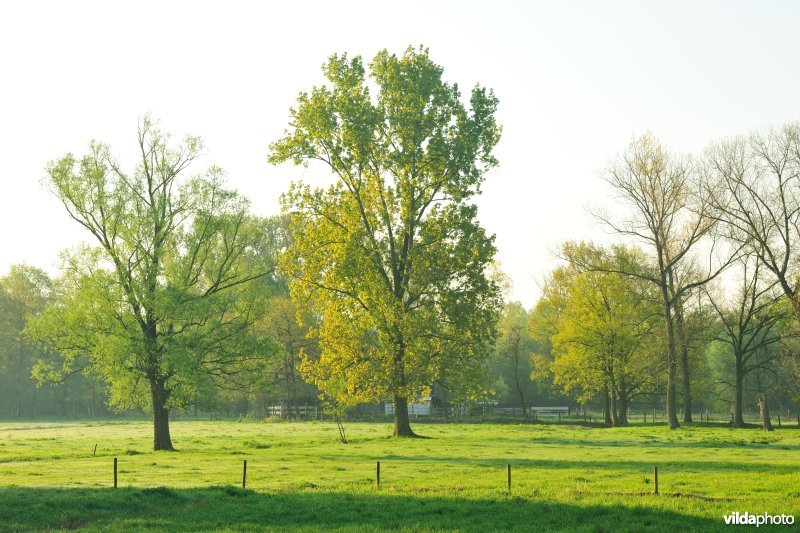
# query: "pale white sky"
576,80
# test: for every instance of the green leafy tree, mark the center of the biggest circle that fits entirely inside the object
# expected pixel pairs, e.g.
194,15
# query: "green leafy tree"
605,341
162,306
543,325
283,374
391,256
603,328
24,293
513,353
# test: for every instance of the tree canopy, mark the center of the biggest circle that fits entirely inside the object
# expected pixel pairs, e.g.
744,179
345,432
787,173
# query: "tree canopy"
391,256
160,307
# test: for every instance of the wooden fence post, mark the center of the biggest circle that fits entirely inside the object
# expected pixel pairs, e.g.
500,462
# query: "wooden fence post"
244,474
115,472
378,475
509,477
655,480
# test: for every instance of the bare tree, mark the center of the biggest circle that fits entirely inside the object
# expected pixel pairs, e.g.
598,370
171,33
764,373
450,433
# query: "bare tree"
670,218
754,189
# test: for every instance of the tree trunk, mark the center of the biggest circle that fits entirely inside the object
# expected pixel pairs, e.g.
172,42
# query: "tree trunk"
607,408
738,419
522,403
402,424
614,414
672,409
20,370
684,346
161,437
794,297
519,387
340,427
622,419
764,411
687,392
293,395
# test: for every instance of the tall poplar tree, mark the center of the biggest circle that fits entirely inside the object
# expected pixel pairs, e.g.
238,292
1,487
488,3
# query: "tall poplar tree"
391,256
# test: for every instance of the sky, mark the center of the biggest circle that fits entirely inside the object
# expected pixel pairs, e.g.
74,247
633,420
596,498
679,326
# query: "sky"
576,82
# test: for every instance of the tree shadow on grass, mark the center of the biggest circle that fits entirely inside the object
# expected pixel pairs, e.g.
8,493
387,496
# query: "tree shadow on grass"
233,509
666,442
633,465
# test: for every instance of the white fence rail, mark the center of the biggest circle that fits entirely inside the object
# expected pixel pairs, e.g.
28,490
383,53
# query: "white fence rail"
284,411
416,410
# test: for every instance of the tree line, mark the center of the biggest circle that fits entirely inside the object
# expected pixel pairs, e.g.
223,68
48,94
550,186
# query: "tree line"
181,294
696,302
382,286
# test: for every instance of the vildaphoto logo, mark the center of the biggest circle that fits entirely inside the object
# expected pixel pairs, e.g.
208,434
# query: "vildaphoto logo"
747,519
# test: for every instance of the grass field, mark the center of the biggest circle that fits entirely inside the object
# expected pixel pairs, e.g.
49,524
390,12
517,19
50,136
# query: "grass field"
300,478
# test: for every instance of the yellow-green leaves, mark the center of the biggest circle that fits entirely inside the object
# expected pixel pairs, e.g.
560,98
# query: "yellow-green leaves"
604,329
391,257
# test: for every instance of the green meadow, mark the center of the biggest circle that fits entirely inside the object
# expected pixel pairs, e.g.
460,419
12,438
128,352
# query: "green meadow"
299,477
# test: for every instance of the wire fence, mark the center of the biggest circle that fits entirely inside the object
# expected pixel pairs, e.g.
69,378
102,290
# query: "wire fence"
508,469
